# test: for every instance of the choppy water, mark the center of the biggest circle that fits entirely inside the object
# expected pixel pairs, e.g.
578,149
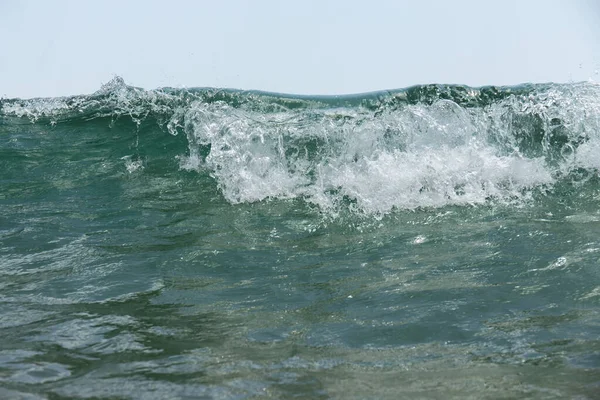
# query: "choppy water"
432,242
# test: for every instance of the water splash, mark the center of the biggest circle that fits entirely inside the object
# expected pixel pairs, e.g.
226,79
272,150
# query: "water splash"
425,146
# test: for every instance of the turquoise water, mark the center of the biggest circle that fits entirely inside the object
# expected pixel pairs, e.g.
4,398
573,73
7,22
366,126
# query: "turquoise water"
431,242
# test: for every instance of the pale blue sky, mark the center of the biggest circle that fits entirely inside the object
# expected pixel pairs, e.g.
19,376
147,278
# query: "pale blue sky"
62,47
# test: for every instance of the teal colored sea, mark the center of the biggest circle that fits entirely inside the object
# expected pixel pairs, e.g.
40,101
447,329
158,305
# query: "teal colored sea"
433,242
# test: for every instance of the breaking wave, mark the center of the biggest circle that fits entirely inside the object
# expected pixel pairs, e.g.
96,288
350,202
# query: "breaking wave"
424,146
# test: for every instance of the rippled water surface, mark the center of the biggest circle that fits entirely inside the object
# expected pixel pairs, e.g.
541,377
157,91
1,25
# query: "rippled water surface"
433,242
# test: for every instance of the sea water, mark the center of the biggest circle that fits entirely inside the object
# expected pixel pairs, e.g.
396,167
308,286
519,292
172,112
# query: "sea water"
437,241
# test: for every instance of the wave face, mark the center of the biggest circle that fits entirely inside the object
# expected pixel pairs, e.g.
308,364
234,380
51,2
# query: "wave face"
425,146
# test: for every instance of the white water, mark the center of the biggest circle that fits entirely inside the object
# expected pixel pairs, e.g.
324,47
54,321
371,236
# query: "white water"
413,156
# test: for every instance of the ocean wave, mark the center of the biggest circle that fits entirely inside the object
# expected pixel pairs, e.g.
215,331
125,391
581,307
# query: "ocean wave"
424,146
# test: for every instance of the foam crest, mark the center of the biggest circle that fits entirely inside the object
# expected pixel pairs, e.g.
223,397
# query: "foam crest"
418,156
435,177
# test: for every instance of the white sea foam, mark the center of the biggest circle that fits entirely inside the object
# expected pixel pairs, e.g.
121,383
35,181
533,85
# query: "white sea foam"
418,156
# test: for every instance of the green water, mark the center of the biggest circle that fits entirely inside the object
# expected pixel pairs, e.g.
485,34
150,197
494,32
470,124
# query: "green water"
437,242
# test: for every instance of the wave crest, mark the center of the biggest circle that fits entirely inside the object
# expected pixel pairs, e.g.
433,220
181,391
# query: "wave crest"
425,146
